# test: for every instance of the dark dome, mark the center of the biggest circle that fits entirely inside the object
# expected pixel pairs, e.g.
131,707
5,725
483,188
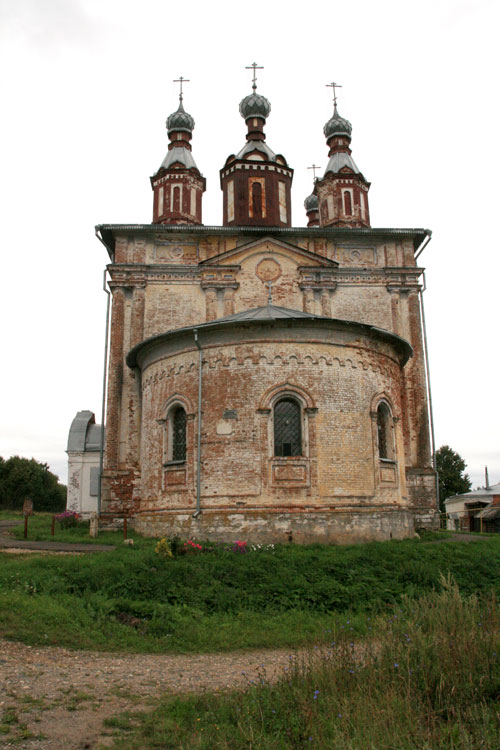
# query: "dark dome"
337,126
255,105
180,120
311,203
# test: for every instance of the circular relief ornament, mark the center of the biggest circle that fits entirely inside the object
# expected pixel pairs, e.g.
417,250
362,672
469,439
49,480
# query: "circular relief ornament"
268,270
176,252
355,255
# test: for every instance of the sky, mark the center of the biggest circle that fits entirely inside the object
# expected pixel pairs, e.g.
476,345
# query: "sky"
86,88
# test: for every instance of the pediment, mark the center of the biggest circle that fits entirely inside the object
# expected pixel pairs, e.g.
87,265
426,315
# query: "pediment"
269,246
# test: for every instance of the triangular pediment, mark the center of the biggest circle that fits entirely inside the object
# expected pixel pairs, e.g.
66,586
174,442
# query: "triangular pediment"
269,246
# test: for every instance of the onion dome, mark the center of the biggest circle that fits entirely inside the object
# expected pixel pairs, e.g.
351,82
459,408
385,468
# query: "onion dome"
337,125
255,105
311,203
180,120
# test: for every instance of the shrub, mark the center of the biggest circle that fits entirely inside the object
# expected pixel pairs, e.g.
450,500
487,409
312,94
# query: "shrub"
67,519
164,549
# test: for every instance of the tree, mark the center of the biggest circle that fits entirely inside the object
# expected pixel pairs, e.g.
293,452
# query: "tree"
22,478
452,480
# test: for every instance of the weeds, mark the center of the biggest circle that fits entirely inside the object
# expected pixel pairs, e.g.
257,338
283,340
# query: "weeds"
430,679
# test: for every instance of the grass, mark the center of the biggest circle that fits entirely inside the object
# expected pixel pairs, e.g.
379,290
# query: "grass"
39,530
430,680
130,599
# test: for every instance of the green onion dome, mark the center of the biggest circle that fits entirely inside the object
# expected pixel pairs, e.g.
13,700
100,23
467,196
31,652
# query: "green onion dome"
337,125
311,203
255,105
180,120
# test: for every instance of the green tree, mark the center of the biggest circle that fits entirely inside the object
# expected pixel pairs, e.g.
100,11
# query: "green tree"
22,478
452,480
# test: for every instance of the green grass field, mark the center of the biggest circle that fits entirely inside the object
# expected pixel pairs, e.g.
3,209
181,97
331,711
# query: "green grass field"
404,637
130,599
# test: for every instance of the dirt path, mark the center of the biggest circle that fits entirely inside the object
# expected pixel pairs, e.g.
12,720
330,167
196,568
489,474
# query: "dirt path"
61,697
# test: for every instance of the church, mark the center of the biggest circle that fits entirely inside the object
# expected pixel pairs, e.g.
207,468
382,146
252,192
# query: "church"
266,382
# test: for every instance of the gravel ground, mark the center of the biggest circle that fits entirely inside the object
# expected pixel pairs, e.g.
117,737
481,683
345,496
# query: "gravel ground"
62,697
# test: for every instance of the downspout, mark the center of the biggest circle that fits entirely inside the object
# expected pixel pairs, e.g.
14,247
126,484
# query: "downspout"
426,242
198,463
104,378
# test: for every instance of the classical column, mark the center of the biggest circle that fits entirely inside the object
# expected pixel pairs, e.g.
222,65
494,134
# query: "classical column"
395,310
326,307
115,378
133,383
211,303
308,299
418,382
228,301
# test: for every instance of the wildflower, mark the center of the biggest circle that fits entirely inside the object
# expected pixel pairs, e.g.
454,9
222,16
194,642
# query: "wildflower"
396,665
315,696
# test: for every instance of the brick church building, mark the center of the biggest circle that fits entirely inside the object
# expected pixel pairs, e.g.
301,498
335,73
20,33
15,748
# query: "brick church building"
266,382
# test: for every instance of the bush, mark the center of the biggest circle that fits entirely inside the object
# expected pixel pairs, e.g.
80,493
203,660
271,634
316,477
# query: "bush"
67,519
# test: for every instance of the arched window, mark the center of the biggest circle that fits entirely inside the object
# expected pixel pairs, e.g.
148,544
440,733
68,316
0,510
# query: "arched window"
176,434
257,200
177,199
347,203
287,428
384,432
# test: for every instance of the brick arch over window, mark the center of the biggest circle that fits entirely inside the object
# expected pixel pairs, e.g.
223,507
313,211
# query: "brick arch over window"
297,407
286,389
176,412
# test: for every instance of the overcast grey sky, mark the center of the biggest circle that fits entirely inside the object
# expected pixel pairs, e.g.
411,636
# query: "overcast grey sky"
86,88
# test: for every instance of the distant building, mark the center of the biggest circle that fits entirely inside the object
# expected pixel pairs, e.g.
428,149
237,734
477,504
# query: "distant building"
478,510
84,441
266,381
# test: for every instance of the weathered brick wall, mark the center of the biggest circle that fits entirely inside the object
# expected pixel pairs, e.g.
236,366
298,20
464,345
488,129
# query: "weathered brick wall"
158,285
173,306
336,383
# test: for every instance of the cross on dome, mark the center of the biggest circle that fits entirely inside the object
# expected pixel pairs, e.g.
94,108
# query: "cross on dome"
334,86
314,167
255,68
181,80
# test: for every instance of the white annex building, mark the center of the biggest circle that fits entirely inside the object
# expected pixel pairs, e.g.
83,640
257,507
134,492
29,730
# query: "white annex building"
84,442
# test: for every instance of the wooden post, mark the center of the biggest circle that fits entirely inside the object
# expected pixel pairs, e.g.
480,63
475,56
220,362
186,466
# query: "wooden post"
125,527
26,526
53,526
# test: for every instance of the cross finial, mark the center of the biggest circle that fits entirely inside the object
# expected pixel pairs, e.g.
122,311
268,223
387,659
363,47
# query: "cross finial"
255,67
269,292
334,86
181,80
314,168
